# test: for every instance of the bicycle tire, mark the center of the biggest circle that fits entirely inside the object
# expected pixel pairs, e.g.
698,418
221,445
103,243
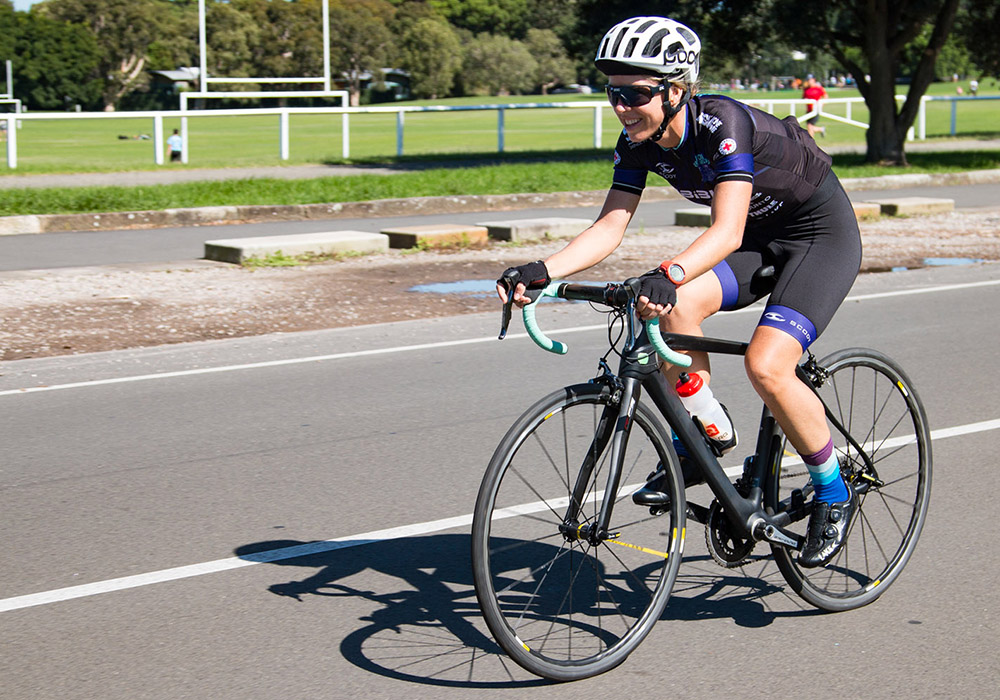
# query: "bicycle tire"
558,606
875,401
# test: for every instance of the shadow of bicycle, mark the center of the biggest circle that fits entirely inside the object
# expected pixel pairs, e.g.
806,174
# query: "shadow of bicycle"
431,631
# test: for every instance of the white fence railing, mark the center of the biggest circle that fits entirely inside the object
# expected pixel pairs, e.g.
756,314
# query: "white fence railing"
773,106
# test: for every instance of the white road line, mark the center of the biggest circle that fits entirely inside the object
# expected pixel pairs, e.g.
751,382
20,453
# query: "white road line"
423,346
417,529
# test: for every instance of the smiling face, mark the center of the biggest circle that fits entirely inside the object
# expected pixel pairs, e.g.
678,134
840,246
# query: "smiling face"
642,121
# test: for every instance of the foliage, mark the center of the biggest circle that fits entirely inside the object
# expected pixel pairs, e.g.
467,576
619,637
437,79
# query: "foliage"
979,27
507,17
123,29
553,66
879,39
362,43
488,51
430,51
56,64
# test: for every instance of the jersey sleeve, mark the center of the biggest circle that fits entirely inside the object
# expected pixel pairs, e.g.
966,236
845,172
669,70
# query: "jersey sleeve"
629,174
731,147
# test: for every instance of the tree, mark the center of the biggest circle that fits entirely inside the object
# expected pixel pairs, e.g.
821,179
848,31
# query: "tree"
430,51
123,29
361,43
231,35
55,63
979,27
482,73
870,40
506,17
553,66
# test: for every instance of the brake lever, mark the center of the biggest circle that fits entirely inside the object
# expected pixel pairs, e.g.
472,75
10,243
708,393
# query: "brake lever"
510,280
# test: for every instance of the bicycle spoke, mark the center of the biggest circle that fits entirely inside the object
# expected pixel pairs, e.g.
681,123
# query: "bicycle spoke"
875,405
560,601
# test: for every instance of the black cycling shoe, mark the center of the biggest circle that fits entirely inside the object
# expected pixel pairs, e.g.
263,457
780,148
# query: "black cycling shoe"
654,493
827,530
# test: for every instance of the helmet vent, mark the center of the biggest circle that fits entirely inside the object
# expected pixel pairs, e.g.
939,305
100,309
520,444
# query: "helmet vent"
688,35
653,47
630,48
618,41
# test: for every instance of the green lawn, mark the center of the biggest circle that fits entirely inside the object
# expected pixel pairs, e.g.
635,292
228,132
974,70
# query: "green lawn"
557,172
94,145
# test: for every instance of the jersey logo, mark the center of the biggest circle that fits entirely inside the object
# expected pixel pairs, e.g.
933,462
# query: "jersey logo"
695,194
709,121
666,171
618,158
727,146
704,167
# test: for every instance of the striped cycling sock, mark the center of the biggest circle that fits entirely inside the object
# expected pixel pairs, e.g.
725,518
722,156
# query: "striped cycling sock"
824,469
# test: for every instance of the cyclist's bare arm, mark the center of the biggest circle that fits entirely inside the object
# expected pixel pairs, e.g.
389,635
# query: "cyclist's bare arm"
599,240
729,214
594,244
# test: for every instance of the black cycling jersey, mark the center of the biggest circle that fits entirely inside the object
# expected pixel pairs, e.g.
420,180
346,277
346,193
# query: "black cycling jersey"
728,140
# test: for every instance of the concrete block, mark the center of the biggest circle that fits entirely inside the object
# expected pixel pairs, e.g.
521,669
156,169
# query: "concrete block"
866,210
435,235
236,250
535,229
914,206
695,216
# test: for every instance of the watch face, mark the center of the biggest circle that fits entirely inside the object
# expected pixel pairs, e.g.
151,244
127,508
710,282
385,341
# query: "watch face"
676,273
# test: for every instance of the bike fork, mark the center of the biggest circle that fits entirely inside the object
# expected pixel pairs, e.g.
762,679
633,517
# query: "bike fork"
613,428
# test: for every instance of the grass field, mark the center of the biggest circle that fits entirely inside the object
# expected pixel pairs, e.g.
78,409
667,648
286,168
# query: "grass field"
558,172
94,145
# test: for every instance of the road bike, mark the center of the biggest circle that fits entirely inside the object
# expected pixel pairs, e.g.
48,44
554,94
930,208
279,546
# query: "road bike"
571,575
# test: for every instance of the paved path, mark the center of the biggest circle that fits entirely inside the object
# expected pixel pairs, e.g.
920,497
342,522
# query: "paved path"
172,173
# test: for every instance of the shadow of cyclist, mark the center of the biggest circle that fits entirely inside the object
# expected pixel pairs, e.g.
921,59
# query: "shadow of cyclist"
431,630
428,631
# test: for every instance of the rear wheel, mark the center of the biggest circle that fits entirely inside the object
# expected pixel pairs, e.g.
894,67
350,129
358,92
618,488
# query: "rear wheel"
871,396
562,605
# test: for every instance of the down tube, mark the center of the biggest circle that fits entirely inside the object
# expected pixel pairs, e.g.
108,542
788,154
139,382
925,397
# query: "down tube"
739,510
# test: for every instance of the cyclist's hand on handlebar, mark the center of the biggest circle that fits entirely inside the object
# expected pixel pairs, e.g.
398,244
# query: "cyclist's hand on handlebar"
657,295
533,276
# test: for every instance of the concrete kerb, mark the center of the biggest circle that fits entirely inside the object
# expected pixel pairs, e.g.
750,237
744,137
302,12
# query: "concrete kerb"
203,216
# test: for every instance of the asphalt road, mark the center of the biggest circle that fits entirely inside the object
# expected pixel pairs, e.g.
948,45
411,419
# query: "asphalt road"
136,486
85,248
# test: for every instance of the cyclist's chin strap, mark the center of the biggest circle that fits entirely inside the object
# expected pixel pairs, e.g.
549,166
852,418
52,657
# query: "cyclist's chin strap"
668,114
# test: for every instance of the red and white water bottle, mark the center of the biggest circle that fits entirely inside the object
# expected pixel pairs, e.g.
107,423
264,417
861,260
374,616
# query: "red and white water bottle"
699,401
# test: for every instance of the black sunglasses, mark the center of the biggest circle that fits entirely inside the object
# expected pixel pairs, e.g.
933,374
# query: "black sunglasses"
633,95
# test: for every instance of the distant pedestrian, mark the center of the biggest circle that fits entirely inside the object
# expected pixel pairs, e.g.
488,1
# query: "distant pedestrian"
973,87
812,90
174,147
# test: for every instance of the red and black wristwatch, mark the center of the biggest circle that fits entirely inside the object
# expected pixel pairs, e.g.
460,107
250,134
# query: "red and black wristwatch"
674,272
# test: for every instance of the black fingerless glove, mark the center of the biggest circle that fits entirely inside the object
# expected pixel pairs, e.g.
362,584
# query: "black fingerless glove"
533,275
655,286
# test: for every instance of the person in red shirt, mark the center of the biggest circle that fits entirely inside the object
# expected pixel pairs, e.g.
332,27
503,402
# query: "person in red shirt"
814,91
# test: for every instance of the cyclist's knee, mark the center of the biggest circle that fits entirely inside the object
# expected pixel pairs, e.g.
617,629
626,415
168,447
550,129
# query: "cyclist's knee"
696,301
770,363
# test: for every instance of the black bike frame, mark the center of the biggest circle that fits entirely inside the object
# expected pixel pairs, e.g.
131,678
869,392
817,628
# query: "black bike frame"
638,372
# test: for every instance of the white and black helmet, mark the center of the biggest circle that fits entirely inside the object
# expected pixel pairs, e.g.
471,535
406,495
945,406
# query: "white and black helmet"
655,46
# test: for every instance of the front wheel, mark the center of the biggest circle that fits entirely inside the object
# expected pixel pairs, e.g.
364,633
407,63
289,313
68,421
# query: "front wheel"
874,400
560,605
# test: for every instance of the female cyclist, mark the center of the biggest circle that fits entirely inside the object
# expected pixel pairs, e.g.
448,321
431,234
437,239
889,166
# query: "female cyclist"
774,201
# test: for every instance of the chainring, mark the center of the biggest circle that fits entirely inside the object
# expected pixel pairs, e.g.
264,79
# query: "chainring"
728,550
